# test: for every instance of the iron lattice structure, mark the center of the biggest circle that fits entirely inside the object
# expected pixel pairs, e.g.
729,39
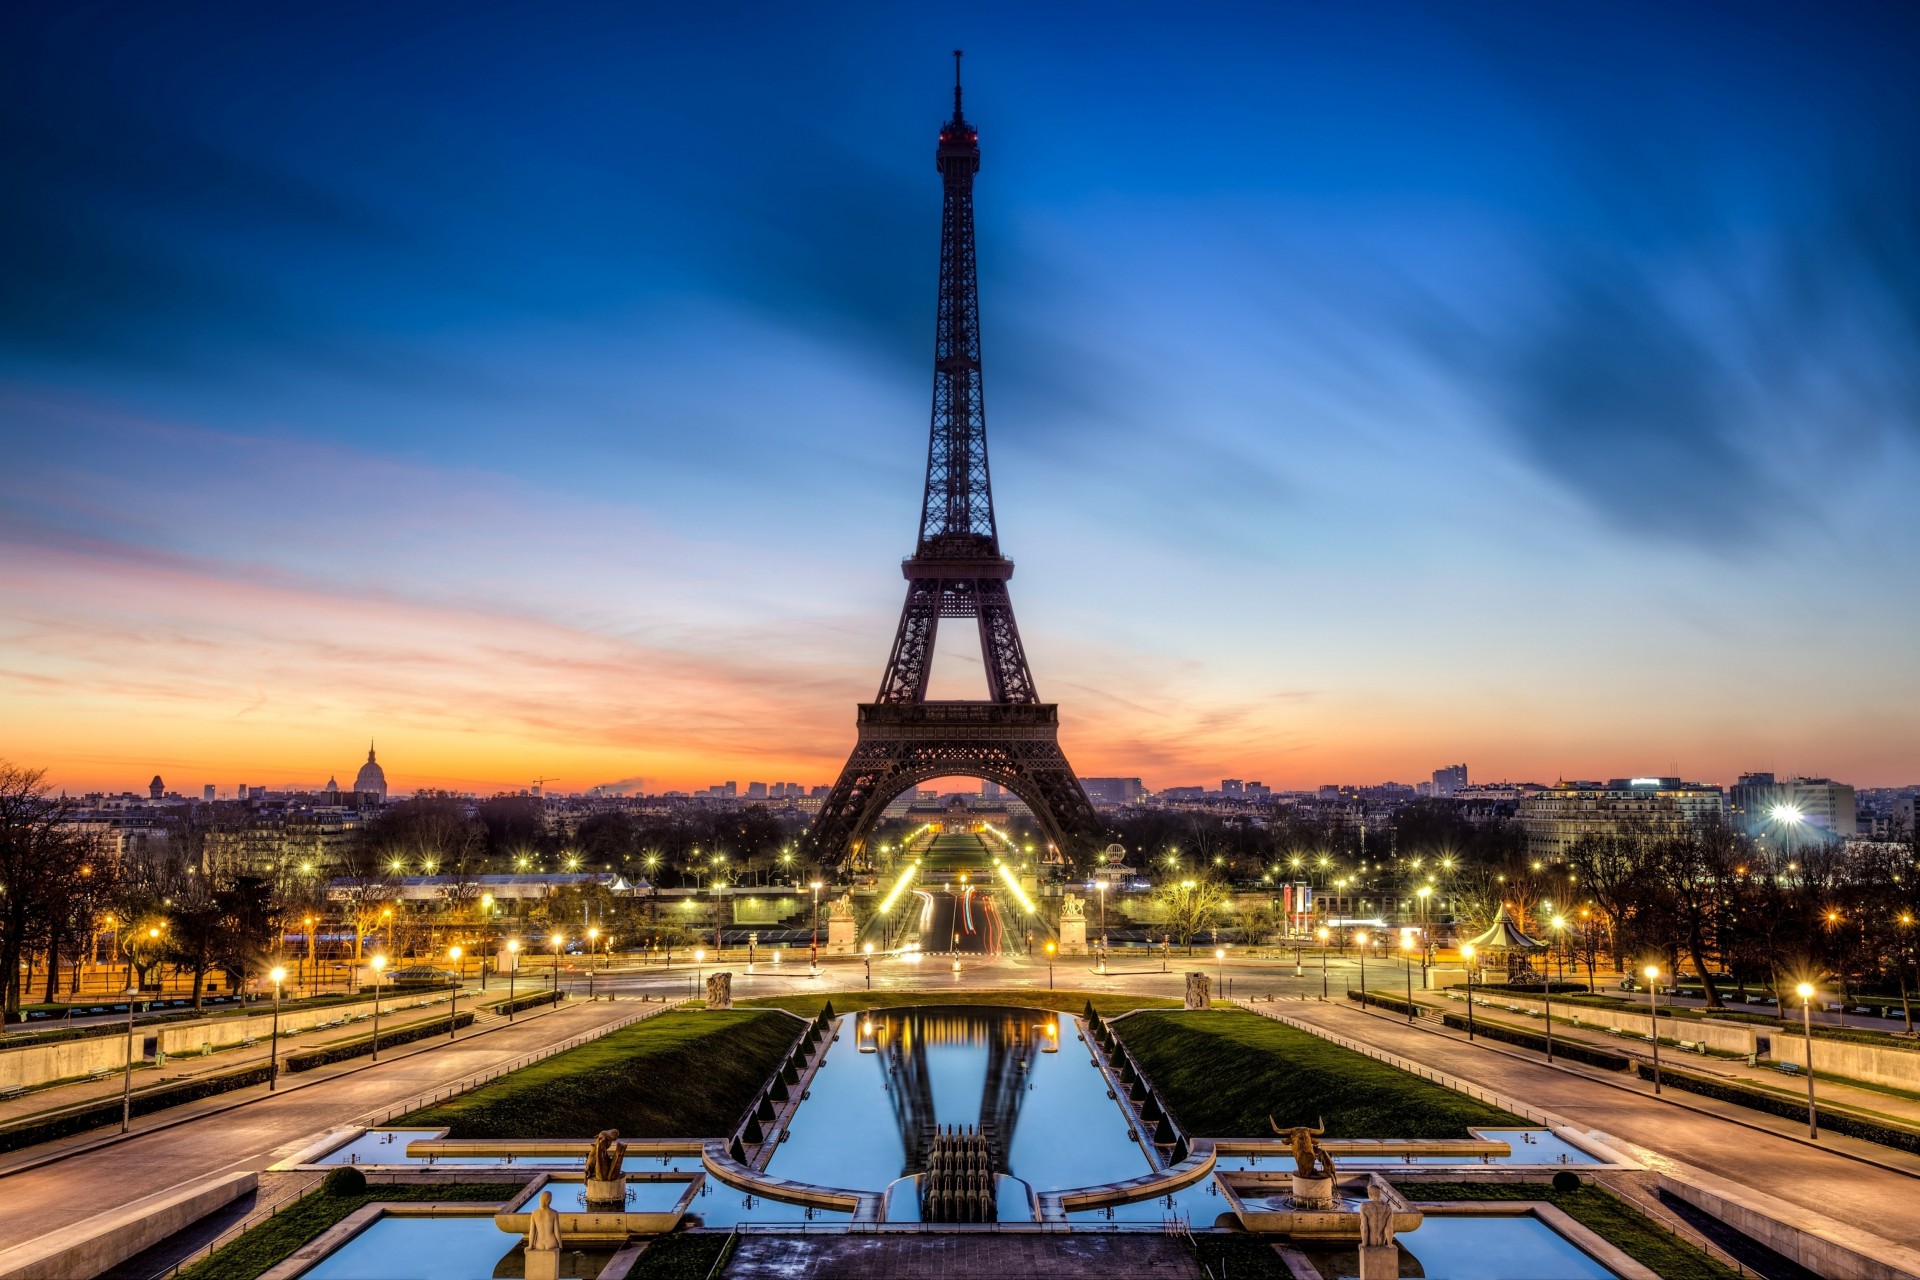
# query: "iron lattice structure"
956,571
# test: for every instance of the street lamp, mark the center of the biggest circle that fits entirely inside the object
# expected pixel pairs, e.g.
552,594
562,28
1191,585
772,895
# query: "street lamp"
1360,940
132,947
593,940
486,922
1423,893
1546,988
453,1010
1100,886
1653,1004
279,976
1466,956
1050,949
1406,947
1220,970
513,972
1805,992
1325,935
814,956
379,968
868,957
699,973
556,941
309,956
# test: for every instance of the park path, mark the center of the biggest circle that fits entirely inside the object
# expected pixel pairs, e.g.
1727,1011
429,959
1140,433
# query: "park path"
1868,1197
271,1127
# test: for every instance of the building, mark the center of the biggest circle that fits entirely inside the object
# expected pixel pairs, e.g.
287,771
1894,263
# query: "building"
1792,808
372,779
1557,817
1449,781
1113,793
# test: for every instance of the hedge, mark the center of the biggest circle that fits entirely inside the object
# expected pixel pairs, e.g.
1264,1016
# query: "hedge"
145,1102
308,1059
1572,1050
520,1004
1398,1006
1534,988
1773,1104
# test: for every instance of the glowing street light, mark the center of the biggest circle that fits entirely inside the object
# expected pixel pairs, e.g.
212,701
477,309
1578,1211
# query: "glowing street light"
1325,935
379,968
453,1010
1652,973
1466,957
1805,992
814,955
279,976
1050,951
1220,970
1360,940
557,941
513,972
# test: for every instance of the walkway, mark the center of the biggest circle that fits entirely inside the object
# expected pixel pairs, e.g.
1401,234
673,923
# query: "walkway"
271,1127
1874,1199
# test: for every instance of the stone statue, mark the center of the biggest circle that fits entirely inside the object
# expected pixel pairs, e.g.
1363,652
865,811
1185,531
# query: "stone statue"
1199,991
1310,1159
719,990
1072,907
841,908
606,1157
1379,1255
1376,1220
543,1241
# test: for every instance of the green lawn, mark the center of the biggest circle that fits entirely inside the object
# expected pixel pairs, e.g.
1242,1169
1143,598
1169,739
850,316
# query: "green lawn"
1613,1220
1223,1072
277,1237
676,1075
1023,998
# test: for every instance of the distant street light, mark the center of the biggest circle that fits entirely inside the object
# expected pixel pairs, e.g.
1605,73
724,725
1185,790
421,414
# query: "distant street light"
513,972
1466,956
556,942
814,956
1406,948
1325,935
1050,949
1220,970
1360,940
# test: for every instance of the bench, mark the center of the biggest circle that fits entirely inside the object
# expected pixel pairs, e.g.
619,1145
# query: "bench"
11,1092
1787,1068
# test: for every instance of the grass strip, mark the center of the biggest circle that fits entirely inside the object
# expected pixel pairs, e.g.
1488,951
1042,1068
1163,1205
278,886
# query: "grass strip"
1887,1135
1223,1072
1662,1252
276,1239
308,1059
679,1257
675,1075
1020,998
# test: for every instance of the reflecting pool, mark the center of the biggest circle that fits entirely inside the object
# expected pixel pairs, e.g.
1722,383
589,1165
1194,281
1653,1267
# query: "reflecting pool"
642,1197
464,1248
1531,1147
389,1146
1021,1075
1474,1247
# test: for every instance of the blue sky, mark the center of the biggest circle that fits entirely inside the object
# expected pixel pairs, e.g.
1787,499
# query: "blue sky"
543,388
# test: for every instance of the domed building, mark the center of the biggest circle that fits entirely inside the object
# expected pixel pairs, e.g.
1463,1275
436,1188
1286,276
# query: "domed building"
372,778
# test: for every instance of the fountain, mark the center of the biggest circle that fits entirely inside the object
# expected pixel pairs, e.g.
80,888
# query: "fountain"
1313,1165
606,1176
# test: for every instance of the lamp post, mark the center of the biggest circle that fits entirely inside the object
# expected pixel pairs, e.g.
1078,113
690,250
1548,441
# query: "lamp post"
593,940
1546,989
133,967
1426,948
379,968
1100,886
513,972
813,960
1050,949
486,923
1406,948
1220,970
453,1010
308,956
868,957
279,976
699,971
557,941
1805,991
1360,940
1466,956
1652,972
1325,935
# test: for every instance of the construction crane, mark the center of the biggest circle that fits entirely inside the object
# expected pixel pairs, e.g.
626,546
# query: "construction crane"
541,782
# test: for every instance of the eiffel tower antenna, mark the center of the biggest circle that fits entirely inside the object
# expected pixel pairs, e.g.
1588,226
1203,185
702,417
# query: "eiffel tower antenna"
956,571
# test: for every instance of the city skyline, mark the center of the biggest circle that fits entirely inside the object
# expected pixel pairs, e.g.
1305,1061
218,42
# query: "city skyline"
1358,405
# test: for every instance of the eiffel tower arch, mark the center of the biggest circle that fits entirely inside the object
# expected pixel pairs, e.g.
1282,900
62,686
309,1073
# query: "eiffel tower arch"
956,572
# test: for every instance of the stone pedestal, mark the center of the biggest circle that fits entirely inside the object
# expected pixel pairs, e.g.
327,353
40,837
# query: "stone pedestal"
606,1194
1312,1193
1380,1262
1073,935
840,935
720,991
543,1264
1198,989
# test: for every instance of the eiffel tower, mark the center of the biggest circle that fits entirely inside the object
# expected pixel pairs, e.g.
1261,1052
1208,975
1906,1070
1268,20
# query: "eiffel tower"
956,571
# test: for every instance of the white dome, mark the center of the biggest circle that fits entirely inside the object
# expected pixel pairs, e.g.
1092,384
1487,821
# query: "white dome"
371,776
